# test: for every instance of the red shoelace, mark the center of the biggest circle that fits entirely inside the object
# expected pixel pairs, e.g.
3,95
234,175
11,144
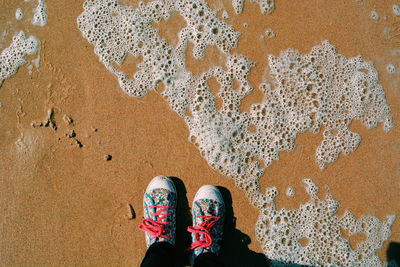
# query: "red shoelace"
156,228
205,230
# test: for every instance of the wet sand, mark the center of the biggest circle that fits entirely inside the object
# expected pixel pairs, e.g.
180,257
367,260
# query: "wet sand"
63,203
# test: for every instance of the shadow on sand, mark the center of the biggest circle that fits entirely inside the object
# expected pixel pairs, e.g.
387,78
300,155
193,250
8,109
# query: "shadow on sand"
183,220
235,250
393,253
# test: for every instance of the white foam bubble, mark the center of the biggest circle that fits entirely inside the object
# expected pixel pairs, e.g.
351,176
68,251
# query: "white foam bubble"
225,15
270,33
290,192
12,57
19,15
374,15
396,10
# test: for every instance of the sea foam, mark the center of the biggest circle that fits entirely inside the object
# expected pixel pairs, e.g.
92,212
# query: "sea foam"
12,57
39,14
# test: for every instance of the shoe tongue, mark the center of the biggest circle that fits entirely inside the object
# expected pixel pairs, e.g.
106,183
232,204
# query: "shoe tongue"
209,211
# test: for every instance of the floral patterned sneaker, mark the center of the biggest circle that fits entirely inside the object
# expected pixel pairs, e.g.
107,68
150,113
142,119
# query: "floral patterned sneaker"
159,204
208,220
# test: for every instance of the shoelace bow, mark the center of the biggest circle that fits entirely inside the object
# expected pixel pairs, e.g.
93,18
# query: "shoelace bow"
205,229
156,228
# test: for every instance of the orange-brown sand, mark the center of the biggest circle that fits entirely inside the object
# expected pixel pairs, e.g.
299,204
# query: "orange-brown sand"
63,204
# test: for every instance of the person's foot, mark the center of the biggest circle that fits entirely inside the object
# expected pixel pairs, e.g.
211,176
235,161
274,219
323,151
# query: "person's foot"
159,204
208,220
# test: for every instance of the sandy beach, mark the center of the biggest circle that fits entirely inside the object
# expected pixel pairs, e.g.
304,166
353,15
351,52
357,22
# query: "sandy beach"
77,153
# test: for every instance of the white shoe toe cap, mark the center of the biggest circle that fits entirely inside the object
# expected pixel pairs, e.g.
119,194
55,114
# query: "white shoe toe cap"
209,192
161,182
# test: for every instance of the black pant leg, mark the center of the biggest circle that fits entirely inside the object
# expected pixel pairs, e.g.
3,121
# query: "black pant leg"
208,259
159,254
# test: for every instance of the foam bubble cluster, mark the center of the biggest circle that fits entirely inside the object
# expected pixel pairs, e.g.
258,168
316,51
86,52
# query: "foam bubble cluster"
39,14
12,57
307,92
312,234
391,68
117,30
325,89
